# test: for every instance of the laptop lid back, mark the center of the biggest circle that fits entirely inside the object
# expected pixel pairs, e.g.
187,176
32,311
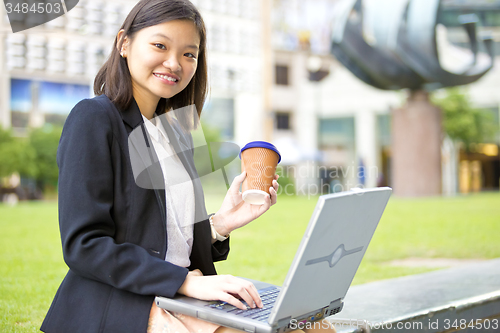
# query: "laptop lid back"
331,250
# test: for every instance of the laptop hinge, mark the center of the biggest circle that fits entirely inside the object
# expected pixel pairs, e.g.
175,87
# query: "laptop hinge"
284,323
334,307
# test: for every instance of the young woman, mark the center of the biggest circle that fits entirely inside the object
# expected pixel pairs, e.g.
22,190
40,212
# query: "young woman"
125,243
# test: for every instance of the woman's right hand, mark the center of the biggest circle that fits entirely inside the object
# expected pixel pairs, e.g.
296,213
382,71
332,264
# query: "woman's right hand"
226,288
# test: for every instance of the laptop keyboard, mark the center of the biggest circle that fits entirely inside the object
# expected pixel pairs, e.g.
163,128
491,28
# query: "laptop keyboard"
268,297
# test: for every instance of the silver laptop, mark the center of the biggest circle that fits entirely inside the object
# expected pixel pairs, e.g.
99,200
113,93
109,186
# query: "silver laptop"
326,261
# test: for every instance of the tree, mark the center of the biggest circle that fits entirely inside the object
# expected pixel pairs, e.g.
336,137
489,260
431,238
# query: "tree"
16,155
462,122
33,157
44,142
464,125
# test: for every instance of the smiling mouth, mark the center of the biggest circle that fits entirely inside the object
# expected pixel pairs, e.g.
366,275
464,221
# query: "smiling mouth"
165,77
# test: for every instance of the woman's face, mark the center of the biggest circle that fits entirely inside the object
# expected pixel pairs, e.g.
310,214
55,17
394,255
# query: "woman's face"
162,59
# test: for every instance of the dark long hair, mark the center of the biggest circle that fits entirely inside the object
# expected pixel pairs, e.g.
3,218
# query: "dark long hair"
114,80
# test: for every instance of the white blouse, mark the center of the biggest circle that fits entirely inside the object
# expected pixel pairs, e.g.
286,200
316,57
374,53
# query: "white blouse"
179,195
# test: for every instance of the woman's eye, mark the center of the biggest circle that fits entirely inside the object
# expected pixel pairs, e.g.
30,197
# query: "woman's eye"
190,55
160,46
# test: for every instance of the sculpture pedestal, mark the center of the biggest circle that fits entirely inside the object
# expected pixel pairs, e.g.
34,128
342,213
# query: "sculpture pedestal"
416,147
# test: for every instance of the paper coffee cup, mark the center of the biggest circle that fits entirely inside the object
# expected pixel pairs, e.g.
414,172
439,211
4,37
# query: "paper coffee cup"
259,159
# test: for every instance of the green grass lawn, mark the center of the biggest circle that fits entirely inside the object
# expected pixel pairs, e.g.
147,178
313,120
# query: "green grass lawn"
31,265
460,227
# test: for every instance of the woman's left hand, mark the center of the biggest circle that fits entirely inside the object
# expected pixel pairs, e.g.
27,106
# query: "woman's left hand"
235,213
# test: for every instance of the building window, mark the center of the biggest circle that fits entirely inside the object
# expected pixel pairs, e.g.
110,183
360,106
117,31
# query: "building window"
282,75
42,101
384,130
283,121
336,132
486,17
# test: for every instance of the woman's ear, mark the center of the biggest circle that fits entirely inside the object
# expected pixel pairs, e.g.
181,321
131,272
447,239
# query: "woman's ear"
123,41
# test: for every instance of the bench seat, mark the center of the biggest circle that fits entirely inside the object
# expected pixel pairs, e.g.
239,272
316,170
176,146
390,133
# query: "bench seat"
464,297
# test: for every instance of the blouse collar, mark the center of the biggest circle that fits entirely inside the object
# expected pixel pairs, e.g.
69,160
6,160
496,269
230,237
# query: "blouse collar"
155,128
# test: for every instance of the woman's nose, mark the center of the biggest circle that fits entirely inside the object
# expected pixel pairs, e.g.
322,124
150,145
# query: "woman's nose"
172,63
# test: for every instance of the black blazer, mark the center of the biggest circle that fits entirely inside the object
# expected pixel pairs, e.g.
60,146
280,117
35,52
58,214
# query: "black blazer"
113,232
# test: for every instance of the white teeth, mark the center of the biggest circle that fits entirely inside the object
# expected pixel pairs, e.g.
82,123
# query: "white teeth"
166,77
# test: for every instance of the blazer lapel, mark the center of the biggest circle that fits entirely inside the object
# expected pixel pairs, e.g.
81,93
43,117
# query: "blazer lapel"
145,164
185,153
177,141
176,132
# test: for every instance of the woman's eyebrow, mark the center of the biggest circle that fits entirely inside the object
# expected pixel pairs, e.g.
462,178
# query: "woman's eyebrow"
159,34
